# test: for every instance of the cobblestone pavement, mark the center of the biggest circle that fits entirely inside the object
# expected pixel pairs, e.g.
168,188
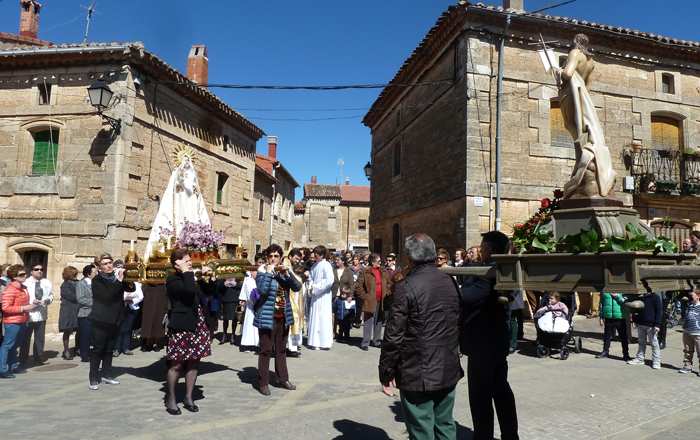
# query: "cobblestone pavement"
338,397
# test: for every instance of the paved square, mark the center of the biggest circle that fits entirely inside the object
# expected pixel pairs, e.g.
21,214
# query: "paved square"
338,397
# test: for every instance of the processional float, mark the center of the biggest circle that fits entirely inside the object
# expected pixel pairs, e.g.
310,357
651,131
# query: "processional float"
182,221
590,212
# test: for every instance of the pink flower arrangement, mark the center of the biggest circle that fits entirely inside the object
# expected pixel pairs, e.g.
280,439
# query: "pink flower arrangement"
198,237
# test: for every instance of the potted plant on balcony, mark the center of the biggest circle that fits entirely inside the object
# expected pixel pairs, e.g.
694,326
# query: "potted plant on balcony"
665,186
637,147
690,154
669,153
690,188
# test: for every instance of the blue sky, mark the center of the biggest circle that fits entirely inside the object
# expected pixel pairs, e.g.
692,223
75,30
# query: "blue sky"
307,42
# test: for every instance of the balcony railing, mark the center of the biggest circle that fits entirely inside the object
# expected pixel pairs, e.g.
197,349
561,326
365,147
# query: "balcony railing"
666,172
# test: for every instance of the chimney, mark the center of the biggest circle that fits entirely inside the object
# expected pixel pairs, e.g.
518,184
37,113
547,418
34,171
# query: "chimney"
29,19
198,64
313,180
513,4
347,181
272,146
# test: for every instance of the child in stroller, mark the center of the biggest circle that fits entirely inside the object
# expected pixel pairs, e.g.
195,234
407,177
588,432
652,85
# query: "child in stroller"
552,317
554,322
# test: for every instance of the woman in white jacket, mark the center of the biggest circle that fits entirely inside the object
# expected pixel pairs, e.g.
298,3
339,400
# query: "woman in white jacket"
249,334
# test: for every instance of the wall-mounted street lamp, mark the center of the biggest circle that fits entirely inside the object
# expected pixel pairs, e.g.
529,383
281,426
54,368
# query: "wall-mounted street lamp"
100,95
368,171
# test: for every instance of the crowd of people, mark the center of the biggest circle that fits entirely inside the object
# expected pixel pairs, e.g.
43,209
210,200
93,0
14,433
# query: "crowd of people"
422,320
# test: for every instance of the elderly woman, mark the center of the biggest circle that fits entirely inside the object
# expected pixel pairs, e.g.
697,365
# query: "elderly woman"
189,327
105,318
273,317
15,308
460,257
83,295
373,288
68,315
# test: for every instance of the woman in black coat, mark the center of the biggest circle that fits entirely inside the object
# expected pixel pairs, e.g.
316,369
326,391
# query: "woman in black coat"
68,315
188,327
105,318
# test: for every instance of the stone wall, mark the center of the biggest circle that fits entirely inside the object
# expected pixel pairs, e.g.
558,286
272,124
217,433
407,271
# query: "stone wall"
107,190
448,142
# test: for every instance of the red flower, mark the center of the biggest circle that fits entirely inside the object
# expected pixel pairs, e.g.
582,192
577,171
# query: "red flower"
545,203
518,226
558,194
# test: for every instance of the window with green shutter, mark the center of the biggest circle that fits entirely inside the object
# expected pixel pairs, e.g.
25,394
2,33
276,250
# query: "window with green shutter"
220,188
45,153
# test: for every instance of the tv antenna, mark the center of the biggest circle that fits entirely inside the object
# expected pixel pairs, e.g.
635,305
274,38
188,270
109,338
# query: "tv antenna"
91,10
341,162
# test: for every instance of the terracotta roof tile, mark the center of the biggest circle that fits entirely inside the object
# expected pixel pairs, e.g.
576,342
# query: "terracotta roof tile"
22,56
354,193
322,191
451,22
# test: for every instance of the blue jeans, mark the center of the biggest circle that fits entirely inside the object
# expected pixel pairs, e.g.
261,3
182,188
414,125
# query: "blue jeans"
12,341
124,338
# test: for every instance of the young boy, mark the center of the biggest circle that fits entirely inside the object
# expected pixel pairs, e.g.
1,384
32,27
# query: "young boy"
612,316
345,307
647,321
691,331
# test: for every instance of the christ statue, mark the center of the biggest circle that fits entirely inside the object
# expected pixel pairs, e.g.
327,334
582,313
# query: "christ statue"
593,175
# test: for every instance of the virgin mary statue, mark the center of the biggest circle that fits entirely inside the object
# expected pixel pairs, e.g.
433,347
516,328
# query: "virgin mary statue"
181,201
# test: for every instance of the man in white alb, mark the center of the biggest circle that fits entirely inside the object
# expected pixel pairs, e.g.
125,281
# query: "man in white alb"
320,331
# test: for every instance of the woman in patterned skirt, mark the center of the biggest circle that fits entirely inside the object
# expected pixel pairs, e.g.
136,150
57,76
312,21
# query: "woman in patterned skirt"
189,327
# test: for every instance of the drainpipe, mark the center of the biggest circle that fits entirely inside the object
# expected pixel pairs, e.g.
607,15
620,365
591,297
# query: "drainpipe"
272,205
498,125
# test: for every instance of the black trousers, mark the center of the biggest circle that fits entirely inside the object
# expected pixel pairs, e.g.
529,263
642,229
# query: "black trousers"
358,310
38,329
665,301
104,338
610,325
489,387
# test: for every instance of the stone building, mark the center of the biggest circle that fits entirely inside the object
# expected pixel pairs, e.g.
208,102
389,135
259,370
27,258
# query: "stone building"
273,222
438,167
335,216
72,187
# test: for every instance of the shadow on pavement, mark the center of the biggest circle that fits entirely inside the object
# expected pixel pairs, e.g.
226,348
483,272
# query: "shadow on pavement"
351,430
157,370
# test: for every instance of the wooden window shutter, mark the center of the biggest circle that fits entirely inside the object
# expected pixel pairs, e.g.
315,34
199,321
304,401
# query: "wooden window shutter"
559,136
45,153
665,133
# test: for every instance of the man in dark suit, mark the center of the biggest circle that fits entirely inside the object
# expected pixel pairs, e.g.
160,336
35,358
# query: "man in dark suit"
484,338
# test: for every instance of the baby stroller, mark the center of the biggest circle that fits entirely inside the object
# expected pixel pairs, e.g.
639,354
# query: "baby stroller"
550,340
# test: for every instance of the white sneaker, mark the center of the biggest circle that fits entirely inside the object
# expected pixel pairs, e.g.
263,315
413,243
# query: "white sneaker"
656,365
635,361
110,381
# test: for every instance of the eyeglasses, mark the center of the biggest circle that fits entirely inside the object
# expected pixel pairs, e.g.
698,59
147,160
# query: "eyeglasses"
23,274
38,270
441,258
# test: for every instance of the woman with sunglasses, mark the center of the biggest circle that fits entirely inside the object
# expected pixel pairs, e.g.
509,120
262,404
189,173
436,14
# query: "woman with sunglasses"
15,311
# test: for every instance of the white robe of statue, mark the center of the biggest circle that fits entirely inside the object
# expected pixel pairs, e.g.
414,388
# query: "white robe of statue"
182,200
249,334
320,331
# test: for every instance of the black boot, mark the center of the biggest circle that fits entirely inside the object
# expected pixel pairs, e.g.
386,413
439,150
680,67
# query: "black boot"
604,354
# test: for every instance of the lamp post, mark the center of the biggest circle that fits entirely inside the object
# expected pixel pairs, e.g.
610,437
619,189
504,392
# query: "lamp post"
368,171
100,95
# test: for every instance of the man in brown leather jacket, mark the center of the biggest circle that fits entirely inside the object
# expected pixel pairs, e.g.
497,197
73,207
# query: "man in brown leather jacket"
420,353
